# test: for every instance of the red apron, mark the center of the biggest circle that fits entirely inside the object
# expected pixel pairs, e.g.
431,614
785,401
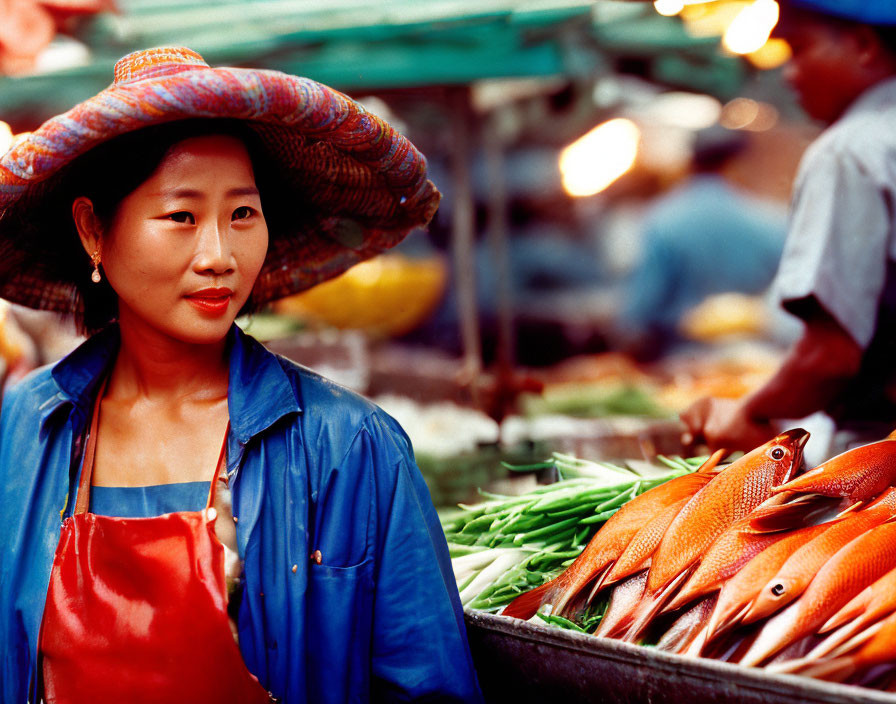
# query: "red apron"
137,609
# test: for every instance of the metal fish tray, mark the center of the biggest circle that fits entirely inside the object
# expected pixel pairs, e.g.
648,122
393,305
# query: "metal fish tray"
523,662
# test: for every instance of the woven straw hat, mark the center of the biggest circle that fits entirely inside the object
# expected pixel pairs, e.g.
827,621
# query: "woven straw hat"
365,183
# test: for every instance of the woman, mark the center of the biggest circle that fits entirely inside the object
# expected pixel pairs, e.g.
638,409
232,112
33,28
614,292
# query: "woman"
171,477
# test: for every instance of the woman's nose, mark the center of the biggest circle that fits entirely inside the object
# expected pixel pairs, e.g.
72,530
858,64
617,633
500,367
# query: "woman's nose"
213,253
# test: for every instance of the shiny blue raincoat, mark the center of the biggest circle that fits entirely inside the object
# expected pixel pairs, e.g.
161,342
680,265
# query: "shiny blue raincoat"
312,467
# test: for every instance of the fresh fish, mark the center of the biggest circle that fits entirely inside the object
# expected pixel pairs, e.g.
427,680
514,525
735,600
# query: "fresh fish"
854,567
733,494
725,558
871,647
858,474
738,593
870,605
609,543
795,574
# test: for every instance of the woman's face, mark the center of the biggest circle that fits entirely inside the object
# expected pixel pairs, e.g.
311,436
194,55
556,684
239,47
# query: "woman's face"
184,249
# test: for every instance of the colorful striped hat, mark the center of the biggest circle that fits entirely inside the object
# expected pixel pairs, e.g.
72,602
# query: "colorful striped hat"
365,185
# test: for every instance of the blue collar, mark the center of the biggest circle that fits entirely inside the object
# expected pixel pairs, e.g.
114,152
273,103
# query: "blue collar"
259,390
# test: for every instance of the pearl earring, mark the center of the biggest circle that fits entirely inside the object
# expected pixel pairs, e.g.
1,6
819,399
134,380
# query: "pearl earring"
95,276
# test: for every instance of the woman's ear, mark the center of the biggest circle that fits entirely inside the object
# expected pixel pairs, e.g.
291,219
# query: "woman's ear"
87,223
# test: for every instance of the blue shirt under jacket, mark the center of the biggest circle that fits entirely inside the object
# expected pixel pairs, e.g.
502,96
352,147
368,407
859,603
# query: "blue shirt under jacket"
312,466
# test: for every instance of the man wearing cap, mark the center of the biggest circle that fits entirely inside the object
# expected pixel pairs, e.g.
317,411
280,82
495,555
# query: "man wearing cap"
838,271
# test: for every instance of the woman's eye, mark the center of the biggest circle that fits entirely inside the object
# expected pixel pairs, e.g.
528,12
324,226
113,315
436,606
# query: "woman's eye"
242,212
183,216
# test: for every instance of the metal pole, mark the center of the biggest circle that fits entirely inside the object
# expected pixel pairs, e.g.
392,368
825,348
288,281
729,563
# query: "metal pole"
462,240
497,233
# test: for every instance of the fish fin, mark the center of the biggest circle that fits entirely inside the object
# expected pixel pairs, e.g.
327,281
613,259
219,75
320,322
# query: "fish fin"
853,609
775,518
713,460
599,582
696,646
687,627
791,667
718,626
527,604
850,509
835,670
891,436
686,595
835,640
651,608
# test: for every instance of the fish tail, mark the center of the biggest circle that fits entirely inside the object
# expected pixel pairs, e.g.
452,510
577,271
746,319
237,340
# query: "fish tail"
526,605
651,605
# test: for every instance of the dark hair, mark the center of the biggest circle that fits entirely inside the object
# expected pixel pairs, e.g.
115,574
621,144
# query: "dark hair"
113,170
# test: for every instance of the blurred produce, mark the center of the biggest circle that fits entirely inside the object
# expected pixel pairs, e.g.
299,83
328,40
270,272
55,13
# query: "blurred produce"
612,384
386,296
440,429
456,448
593,401
830,529
730,372
506,545
726,315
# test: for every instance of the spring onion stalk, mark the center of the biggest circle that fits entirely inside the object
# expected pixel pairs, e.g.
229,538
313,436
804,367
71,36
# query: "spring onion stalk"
507,545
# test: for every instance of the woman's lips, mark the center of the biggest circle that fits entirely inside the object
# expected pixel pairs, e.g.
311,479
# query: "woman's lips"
211,301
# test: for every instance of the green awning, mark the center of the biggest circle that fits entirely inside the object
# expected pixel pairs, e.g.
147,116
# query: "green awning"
364,44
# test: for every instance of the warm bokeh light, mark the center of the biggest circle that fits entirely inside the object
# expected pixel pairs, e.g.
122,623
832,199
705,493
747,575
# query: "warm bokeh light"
693,111
594,161
5,137
746,114
669,7
752,27
711,19
772,54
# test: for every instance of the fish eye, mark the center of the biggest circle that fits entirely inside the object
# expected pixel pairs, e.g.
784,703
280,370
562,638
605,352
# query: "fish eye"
777,453
778,589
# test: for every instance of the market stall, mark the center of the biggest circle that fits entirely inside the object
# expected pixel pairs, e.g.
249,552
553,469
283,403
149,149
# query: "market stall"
543,430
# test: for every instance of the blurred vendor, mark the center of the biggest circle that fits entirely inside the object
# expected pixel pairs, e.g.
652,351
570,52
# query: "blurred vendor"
703,237
838,272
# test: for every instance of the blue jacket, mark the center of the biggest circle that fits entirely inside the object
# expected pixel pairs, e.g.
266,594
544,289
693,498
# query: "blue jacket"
312,467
